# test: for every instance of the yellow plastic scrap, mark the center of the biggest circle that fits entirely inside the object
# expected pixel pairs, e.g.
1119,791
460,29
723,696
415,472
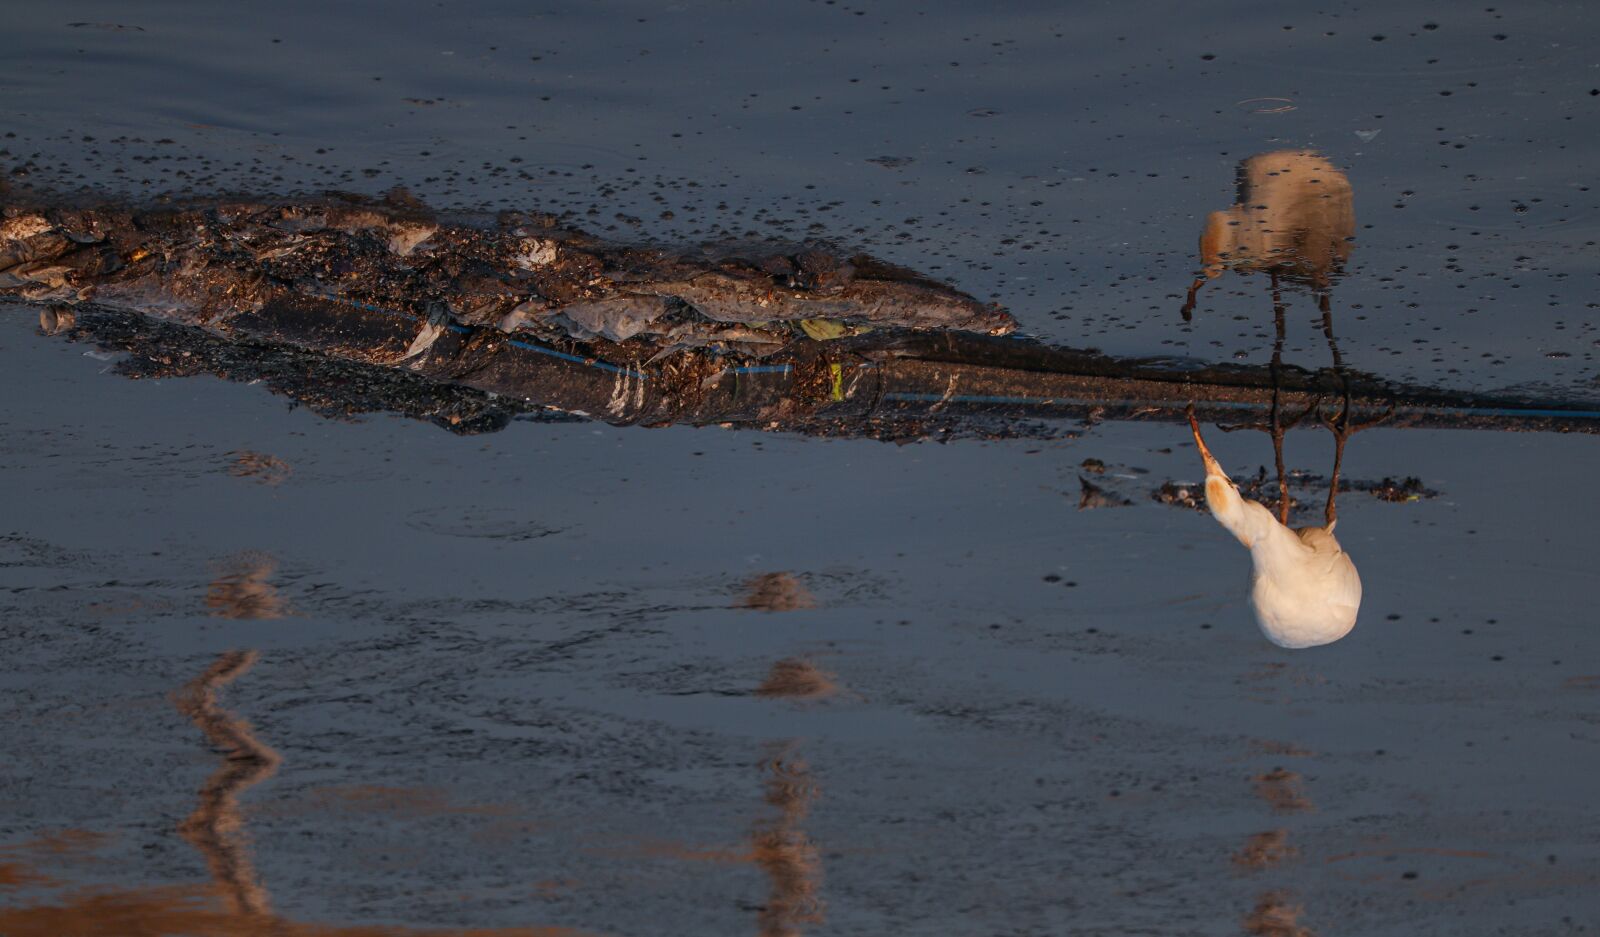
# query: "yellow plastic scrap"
823,330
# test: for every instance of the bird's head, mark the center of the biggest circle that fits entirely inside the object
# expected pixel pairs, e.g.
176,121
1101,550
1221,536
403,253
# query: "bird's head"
1218,241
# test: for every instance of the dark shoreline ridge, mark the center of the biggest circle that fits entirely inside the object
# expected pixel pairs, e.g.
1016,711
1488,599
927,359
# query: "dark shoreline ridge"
541,317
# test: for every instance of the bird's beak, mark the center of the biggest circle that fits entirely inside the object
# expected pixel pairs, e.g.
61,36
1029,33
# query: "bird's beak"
1212,466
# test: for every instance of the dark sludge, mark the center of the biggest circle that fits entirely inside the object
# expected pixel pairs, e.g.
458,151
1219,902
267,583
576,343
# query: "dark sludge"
471,321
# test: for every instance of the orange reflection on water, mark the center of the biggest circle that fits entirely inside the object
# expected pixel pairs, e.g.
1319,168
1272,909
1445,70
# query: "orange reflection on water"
785,853
1276,916
235,903
1264,850
243,592
777,592
1282,789
160,911
215,827
796,678
16,875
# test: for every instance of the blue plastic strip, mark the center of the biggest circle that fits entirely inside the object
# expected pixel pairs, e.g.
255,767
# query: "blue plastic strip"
463,329
575,358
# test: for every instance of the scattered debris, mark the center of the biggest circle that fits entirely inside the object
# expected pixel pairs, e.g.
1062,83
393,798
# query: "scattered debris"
55,319
1092,496
212,262
1181,494
1308,491
1408,489
805,338
327,386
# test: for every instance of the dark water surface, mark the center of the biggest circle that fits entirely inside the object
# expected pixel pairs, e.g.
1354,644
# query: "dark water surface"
267,673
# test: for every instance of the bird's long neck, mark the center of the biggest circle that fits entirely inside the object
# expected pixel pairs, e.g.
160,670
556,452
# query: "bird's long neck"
1251,523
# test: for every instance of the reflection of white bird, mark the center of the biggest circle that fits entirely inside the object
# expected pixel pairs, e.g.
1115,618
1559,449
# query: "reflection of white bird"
1304,588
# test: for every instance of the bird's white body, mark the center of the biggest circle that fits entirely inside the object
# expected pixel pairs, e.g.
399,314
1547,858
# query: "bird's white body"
1303,587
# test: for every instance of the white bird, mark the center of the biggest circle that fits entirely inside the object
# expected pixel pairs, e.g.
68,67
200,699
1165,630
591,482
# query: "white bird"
1304,587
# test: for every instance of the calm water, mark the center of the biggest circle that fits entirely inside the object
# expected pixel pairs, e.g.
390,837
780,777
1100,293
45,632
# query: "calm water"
506,683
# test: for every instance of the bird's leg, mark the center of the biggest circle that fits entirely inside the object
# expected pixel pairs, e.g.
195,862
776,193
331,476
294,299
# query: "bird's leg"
1276,419
1278,430
1330,514
1188,304
1340,427
1277,312
1343,428
1325,303
1274,426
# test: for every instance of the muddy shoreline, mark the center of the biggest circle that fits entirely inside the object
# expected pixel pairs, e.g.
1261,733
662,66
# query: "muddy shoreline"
552,318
